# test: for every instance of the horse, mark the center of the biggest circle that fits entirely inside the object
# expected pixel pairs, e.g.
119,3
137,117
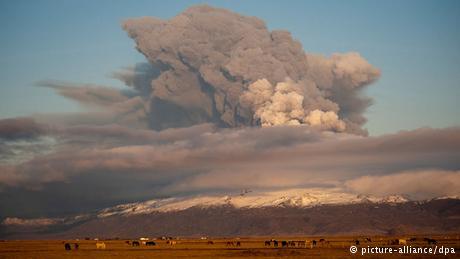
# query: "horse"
67,246
171,242
284,243
150,243
100,245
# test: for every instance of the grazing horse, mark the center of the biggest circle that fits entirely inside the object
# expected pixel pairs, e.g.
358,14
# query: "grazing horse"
230,243
76,246
210,242
284,243
268,243
150,243
275,243
313,243
67,246
100,245
171,242
136,243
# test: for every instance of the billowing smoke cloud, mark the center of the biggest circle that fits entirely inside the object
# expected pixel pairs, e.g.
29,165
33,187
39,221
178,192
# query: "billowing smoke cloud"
210,65
138,77
283,105
207,60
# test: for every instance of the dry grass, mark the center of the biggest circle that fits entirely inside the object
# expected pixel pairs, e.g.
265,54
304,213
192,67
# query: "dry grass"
188,248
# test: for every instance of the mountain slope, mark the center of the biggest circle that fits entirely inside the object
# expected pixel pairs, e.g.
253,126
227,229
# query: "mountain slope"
249,214
301,198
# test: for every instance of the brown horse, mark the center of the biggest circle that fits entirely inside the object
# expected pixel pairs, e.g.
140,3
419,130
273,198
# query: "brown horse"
67,246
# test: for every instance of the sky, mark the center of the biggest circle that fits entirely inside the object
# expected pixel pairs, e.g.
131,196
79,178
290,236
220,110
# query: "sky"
413,43
102,104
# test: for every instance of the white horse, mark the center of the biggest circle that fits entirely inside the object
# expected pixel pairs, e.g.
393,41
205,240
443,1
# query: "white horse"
100,245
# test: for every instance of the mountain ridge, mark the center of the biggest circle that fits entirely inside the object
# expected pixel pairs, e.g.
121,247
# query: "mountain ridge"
249,213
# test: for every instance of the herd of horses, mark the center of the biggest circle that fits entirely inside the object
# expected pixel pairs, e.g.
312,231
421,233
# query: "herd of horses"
268,243
138,243
296,243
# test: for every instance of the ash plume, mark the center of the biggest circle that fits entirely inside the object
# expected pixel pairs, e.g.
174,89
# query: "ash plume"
213,65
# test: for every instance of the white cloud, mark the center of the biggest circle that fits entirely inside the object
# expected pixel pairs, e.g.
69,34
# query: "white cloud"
421,184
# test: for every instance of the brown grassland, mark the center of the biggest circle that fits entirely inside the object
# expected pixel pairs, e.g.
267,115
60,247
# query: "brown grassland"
337,247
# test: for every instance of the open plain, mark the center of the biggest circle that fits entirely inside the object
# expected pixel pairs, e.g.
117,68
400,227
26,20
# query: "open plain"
255,247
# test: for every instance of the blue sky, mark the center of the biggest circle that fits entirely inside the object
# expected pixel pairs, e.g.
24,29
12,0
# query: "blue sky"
414,43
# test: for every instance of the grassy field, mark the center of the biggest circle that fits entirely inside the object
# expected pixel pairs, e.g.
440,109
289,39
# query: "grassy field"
337,247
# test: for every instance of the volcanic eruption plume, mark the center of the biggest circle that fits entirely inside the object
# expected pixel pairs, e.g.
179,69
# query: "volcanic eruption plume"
213,65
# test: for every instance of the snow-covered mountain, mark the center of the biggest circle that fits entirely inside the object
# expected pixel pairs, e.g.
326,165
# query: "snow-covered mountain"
286,212
302,198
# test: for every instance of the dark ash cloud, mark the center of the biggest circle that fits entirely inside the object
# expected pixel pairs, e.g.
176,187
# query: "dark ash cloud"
210,65
207,58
